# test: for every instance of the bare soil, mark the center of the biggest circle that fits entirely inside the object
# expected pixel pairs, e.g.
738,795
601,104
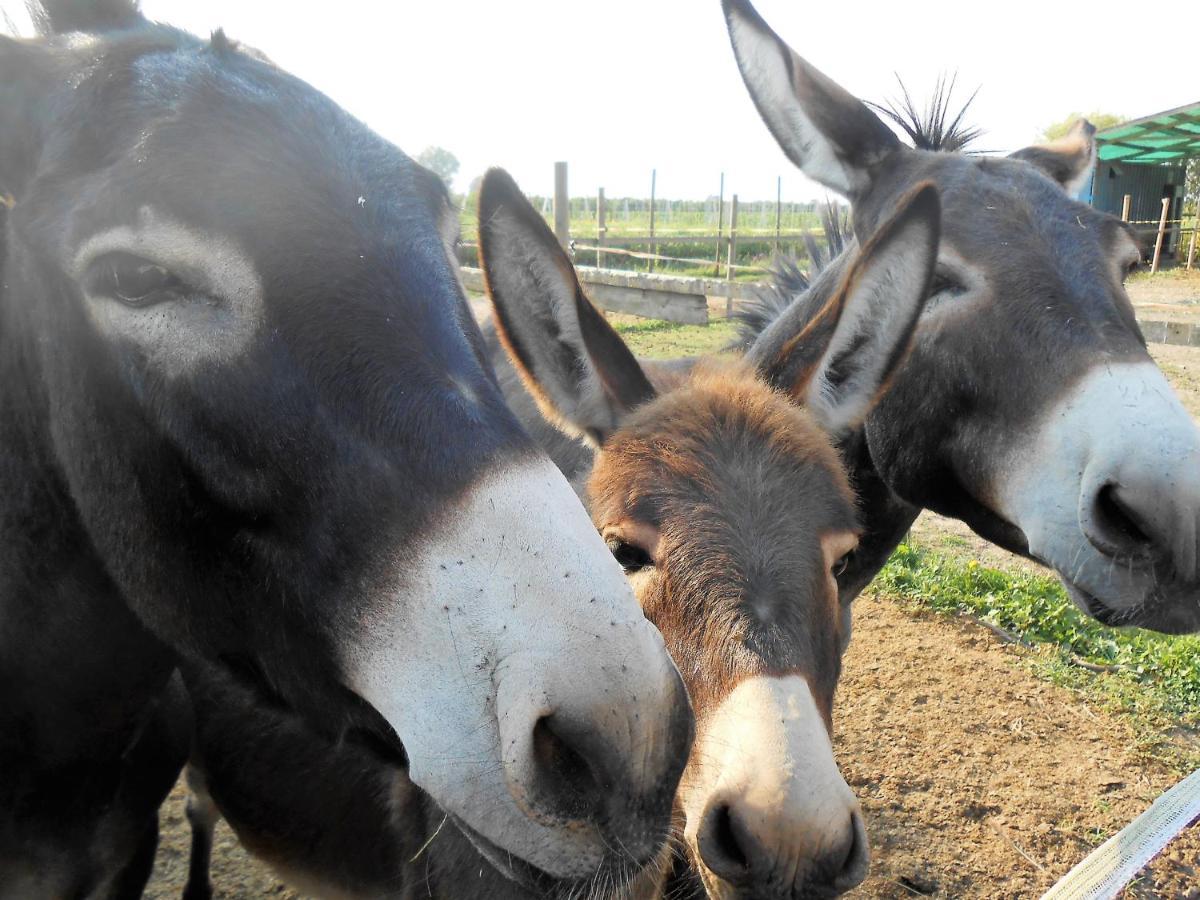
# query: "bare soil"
1173,294
977,778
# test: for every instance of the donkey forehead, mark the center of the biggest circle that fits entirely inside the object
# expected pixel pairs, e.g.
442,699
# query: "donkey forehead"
247,142
730,451
990,199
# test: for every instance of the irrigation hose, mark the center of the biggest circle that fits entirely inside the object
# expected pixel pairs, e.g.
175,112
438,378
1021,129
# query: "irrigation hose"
1111,865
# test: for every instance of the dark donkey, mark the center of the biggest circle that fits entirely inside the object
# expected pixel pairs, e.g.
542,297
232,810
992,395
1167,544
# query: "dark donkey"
247,418
728,508
1029,408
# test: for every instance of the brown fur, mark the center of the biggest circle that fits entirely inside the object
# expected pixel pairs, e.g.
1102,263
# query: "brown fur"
738,482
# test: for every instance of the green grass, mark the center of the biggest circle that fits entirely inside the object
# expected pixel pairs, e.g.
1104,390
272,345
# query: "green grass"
1155,679
1175,273
665,340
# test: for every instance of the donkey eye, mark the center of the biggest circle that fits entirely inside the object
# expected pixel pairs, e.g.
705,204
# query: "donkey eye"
631,557
839,568
132,280
944,283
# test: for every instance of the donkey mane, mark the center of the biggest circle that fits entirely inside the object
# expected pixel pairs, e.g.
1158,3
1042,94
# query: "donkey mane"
789,281
928,129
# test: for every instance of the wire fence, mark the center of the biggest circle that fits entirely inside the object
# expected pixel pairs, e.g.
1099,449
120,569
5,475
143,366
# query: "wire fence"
718,237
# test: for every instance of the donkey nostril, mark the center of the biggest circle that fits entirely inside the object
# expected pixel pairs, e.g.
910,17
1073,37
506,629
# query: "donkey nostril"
1119,515
1115,526
564,769
721,848
855,857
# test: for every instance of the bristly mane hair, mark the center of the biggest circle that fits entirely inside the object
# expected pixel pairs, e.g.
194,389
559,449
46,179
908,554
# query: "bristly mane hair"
929,130
788,281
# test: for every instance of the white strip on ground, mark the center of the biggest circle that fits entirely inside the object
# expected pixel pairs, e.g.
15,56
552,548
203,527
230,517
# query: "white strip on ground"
1111,865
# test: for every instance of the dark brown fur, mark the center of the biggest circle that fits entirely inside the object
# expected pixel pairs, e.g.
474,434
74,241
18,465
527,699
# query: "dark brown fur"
738,482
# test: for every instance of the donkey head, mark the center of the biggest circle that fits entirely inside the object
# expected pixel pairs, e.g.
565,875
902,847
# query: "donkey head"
235,341
724,500
1029,407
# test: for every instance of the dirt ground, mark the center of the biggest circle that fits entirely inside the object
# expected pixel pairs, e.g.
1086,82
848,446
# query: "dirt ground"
977,779
1173,294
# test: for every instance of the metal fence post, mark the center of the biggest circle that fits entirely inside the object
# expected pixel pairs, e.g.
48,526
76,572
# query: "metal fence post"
729,264
653,246
601,227
720,226
778,211
562,205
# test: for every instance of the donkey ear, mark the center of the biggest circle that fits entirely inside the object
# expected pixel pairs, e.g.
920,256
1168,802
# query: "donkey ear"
1069,160
839,364
824,130
582,374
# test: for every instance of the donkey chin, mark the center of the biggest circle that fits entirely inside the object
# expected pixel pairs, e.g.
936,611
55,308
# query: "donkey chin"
615,876
1107,493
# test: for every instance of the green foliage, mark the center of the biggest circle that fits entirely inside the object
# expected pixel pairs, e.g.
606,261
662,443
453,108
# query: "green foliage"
441,162
666,340
1035,609
1060,128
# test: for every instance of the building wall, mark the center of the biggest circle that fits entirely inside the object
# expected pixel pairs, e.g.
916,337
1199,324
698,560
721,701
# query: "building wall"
1147,184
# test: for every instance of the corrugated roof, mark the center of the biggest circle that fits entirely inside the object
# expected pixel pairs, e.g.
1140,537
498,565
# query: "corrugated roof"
1162,137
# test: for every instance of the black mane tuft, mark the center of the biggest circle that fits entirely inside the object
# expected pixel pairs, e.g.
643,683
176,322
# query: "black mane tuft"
929,130
220,44
62,16
788,280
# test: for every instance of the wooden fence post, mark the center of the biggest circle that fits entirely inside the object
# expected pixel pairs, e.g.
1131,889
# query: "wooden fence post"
1192,244
720,224
1162,230
653,246
733,216
601,227
562,205
1125,207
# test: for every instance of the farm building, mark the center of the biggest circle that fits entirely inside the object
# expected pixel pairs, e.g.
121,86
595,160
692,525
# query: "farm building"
1146,159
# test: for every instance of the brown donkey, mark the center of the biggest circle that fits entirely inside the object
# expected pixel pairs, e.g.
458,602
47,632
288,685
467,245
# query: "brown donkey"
726,504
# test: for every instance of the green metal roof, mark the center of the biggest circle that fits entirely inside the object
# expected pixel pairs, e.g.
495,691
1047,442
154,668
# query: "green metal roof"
1162,137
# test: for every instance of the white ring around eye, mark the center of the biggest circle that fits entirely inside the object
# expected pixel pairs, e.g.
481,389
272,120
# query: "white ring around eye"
216,324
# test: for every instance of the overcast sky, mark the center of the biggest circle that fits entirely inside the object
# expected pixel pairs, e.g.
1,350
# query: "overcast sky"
618,87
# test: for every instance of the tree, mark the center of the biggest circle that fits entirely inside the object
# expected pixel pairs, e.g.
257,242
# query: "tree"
441,162
1059,129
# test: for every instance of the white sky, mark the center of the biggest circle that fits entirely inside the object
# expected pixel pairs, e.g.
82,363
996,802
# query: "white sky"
617,87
